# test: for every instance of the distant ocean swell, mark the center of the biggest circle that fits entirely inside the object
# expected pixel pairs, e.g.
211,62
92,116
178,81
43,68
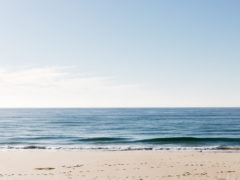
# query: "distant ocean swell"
163,141
186,141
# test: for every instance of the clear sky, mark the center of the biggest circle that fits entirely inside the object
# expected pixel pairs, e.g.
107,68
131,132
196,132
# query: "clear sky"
128,53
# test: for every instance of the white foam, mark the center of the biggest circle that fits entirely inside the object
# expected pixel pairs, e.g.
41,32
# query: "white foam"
117,148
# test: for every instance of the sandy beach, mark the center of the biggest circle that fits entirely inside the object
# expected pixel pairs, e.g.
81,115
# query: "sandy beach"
119,165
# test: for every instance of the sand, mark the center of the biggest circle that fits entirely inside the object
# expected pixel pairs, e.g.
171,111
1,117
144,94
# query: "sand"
119,165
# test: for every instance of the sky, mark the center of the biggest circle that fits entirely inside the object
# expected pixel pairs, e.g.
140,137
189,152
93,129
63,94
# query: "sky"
109,53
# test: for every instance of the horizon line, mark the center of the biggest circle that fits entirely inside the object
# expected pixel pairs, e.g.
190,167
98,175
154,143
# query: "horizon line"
132,107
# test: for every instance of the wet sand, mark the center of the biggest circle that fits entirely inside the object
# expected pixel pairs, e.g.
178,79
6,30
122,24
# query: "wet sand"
119,165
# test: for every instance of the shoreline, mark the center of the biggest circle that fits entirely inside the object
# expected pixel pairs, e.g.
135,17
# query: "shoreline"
114,148
119,165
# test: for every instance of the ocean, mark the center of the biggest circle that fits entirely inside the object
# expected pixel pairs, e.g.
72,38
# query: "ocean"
120,129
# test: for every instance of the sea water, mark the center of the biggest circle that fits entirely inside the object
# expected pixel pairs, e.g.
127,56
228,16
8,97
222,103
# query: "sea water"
122,129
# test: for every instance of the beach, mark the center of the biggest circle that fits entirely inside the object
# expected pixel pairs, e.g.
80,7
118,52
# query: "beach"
137,165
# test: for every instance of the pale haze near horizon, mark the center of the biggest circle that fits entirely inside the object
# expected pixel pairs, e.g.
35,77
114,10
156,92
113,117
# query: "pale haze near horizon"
119,53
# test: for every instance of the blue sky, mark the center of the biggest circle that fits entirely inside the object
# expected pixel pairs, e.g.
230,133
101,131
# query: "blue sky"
119,53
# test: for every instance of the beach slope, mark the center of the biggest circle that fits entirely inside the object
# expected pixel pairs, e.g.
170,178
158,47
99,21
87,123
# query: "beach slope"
119,165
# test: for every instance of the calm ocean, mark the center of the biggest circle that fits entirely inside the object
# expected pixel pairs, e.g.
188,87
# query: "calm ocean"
120,129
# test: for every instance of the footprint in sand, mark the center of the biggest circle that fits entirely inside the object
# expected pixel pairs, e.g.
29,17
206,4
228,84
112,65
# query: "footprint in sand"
76,166
46,168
